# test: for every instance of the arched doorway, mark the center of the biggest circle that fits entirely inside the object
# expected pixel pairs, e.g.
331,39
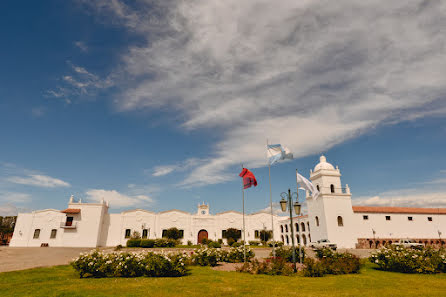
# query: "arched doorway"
202,234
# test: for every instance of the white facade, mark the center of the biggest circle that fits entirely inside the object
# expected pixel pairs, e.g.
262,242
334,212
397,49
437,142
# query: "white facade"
331,216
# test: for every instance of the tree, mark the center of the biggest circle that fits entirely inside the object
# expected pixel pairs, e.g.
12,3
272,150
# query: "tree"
233,234
265,235
174,233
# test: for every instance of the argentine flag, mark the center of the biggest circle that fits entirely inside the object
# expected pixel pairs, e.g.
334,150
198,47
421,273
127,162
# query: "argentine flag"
277,152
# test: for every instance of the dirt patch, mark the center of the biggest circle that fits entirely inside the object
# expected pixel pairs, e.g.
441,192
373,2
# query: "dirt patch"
227,266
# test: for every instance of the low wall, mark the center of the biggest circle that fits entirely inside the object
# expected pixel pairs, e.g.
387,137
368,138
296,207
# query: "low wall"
373,243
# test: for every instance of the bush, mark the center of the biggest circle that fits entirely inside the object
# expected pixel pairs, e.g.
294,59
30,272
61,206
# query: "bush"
189,243
409,260
331,262
313,268
133,243
205,241
163,242
233,235
117,264
230,241
206,256
118,247
286,253
147,243
236,244
275,243
173,233
271,266
254,243
220,241
214,244
235,255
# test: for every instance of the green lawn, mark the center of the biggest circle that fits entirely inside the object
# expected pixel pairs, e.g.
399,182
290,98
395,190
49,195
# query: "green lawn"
202,281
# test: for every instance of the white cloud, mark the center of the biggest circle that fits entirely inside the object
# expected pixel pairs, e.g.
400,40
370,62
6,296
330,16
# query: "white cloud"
38,111
181,166
117,199
81,45
163,170
309,74
435,199
39,181
14,197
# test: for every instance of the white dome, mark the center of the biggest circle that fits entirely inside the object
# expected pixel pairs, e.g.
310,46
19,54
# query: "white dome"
323,164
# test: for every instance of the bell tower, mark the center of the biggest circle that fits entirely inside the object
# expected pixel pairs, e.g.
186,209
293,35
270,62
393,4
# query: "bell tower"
330,214
203,209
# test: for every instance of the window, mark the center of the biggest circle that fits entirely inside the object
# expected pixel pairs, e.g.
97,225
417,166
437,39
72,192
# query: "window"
309,237
286,228
317,187
256,234
429,219
127,233
308,225
410,218
281,228
317,221
365,217
387,218
164,233
340,221
297,227
302,226
283,240
145,232
223,233
287,240
36,234
332,188
69,221
53,233
181,233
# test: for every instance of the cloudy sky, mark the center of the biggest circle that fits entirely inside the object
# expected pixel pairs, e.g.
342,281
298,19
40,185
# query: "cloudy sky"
156,104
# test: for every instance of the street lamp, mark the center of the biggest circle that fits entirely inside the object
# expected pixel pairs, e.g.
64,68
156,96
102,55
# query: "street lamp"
297,207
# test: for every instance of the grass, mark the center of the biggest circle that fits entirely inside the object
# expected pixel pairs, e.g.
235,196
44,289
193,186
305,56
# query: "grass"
202,281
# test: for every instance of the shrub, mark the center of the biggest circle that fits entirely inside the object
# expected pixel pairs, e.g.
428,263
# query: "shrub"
233,234
330,262
235,255
220,241
163,242
189,243
118,247
287,253
409,260
147,243
313,268
254,242
174,233
236,244
206,256
275,243
271,266
214,244
133,243
205,241
118,264
230,241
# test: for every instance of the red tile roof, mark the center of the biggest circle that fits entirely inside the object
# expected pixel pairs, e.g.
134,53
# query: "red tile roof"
385,209
71,210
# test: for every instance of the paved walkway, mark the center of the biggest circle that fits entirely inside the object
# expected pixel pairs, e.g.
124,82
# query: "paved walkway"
18,258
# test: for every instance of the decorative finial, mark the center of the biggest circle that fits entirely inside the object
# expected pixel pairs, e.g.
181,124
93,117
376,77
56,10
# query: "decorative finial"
71,199
322,159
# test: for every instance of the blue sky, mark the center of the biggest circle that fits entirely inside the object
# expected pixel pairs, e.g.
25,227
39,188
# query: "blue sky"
156,105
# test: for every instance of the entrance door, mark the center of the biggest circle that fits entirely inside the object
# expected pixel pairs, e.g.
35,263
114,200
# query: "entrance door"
202,234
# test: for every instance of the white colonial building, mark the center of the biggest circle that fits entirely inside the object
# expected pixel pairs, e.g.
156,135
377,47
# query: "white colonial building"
331,216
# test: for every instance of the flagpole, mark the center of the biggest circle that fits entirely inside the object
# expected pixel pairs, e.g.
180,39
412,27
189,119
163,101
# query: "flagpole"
243,209
271,204
298,223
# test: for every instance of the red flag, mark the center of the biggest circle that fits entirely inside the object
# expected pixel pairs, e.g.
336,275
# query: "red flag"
248,178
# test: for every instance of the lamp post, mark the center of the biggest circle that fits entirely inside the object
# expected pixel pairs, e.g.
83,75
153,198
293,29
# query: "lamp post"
297,207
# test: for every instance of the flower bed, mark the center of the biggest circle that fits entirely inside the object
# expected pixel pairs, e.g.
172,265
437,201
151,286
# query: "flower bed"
206,256
122,264
410,260
271,266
